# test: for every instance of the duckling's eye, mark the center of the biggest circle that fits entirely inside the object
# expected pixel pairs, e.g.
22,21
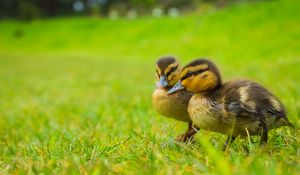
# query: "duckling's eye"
172,70
189,74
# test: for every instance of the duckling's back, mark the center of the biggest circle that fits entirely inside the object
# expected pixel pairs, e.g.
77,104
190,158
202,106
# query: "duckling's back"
236,108
247,98
172,106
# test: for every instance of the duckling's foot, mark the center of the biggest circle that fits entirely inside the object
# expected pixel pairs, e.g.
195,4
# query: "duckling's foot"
188,135
184,138
229,140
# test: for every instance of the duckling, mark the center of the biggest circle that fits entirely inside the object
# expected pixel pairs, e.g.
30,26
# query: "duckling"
234,108
167,73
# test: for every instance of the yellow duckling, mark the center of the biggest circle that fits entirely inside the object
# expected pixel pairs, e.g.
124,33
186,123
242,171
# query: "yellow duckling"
175,106
235,108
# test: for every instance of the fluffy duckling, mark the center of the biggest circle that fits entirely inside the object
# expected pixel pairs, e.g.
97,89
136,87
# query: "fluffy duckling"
235,108
175,106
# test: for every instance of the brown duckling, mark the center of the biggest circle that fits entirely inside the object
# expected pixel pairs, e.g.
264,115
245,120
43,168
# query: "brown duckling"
235,108
175,106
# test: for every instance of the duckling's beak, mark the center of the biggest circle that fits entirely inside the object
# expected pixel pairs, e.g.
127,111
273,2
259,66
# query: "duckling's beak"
178,87
163,82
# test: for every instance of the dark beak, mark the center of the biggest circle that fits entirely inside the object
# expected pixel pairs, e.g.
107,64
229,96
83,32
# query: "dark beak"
163,82
178,87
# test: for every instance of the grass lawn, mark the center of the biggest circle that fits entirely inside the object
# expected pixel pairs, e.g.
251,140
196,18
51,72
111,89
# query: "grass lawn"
76,92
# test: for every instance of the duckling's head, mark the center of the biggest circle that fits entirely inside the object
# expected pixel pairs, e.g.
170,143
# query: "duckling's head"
167,72
200,75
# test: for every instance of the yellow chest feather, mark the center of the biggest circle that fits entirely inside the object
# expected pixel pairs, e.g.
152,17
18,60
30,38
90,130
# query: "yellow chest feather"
201,113
172,106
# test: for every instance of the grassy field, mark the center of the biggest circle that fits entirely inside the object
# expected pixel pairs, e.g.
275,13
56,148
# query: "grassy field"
76,92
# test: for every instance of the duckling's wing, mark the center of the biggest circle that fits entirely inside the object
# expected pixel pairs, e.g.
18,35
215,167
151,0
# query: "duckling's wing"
241,111
235,104
240,108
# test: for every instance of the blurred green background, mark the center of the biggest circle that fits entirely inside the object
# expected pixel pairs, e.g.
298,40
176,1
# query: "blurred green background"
76,79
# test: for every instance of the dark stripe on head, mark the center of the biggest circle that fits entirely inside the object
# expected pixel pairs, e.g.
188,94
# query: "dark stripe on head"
172,70
164,62
211,66
199,62
190,73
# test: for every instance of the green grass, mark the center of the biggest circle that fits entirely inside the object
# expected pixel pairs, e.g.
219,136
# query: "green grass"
76,92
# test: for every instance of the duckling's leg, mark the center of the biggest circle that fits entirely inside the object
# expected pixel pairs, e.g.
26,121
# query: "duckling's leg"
229,139
264,134
188,135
